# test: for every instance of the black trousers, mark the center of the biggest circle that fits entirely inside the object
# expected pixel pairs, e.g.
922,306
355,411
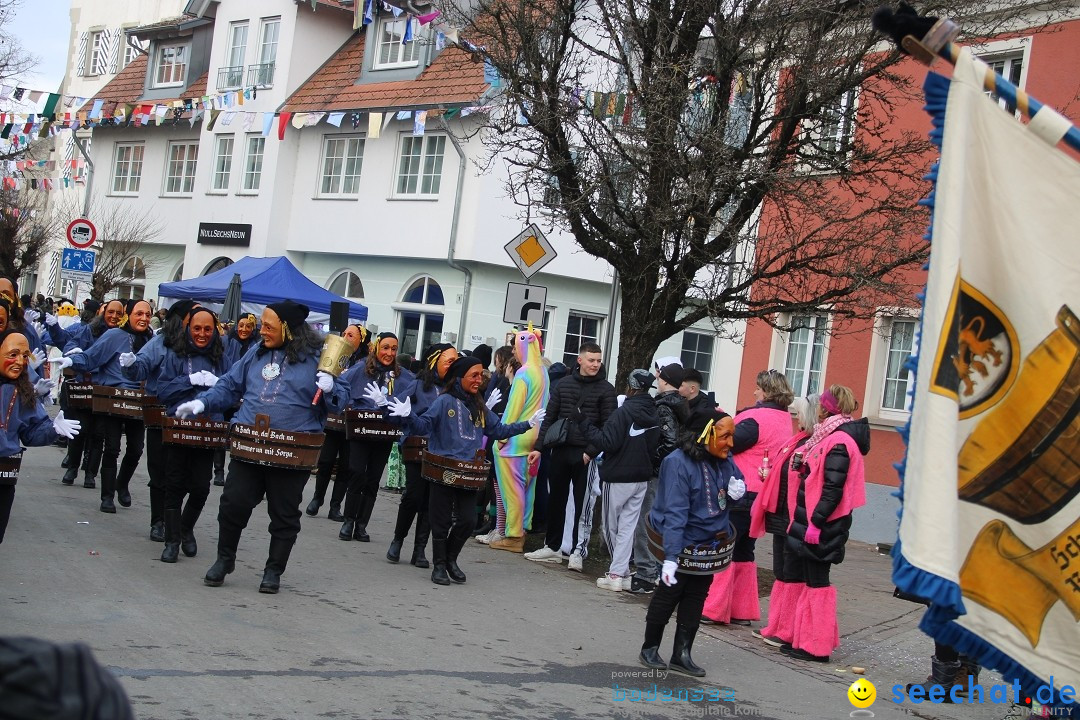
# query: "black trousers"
335,449
79,445
245,488
567,468
114,428
156,467
687,594
367,460
7,497
787,566
744,544
414,504
451,511
188,473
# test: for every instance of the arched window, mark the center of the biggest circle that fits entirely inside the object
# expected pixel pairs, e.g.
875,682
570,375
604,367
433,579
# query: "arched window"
347,284
132,280
220,264
179,274
421,313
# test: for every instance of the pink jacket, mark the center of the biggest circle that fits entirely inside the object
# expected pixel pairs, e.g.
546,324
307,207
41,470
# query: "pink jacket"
774,428
769,496
854,486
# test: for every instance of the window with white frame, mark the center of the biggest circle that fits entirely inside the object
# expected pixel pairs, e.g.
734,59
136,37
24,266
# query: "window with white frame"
343,158
827,137
180,168
390,53
223,155
262,73
231,72
99,52
420,166
897,379
253,162
132,50
170,65
804,361
127,168
580,329
1010,67
347,284
697,352
422,319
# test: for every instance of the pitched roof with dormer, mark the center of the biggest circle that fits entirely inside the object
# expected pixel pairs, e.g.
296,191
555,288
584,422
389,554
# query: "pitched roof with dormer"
128,85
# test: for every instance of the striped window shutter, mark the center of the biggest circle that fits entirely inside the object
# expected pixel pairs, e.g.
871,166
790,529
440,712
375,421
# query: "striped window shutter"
108,47
69,155
83,38
116,61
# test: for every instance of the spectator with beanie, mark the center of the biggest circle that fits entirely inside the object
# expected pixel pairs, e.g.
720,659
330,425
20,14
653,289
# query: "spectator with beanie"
586,391
277,379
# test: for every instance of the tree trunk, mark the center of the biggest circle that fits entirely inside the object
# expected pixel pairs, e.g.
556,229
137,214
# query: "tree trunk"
638,338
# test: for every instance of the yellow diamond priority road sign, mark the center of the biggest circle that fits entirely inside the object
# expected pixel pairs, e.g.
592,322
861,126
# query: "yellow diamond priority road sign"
530,251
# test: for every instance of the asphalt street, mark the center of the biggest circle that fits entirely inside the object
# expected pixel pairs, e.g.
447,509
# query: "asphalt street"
352,636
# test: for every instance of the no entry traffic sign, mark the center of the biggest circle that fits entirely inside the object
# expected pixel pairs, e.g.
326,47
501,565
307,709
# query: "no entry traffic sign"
81,233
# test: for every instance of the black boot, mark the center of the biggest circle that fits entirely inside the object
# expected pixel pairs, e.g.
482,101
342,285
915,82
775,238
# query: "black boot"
219,467
418,558
123,479
187,542
650,650
275,565
108,488
360,532
66,462
172,537
226,557
680,656
69,476
394,553
423,532
89,480
453,546
313,507
157,531
944,674
438,555
157,510
335,513
346,531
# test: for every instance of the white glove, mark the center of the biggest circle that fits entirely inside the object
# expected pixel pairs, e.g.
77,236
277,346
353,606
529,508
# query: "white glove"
399,408
538,417
376,395
325,381
192,407
667,573
209,379
39,329
736,488
127,359
62,363
43,387
494,398
65,427
30,315
73,351
36,359
50,319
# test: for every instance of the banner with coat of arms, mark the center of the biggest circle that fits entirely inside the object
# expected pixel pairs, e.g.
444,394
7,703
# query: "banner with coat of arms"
990,527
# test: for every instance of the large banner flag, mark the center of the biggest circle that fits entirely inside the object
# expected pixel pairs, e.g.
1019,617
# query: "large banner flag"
990,527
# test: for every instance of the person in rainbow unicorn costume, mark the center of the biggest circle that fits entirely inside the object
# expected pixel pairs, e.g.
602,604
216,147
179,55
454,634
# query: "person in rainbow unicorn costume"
514,487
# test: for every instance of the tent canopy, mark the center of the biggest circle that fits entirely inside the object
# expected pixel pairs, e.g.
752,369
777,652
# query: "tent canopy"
264,281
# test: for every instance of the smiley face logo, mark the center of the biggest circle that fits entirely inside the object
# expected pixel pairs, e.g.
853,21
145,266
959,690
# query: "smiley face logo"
862,693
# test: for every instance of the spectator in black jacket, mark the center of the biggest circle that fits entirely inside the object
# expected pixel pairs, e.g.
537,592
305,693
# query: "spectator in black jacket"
628,441
584,390
699,402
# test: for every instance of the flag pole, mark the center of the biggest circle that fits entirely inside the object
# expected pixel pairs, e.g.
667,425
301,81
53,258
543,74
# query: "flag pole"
938,42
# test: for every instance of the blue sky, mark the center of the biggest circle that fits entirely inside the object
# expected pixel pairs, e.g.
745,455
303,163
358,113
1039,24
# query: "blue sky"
42,28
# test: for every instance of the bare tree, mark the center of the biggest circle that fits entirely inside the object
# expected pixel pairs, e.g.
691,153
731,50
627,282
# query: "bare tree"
15,61
124,233
27,228
731,160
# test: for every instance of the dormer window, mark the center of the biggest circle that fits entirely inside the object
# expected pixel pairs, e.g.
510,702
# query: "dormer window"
390,52
171,65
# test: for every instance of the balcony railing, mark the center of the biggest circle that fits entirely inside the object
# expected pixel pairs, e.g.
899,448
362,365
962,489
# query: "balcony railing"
230,78
261,75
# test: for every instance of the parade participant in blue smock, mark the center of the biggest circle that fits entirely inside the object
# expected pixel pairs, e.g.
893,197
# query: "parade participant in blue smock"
278,379
335,449
697,483
93,324
371,385
456,424
77,334
23,420
102,360
145,367
191,365
436,360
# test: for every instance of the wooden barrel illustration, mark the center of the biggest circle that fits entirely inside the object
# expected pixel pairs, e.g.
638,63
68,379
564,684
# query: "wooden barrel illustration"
335,422
370,425
464,474
412,450
153,412
262,445
1023,458
9,469
195,432
119,402
707,558
77,394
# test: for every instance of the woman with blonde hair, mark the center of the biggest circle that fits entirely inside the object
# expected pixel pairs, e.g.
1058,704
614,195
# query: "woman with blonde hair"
760,432
831,487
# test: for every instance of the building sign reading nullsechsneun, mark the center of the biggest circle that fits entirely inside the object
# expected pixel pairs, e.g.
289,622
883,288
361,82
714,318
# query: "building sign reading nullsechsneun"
224,234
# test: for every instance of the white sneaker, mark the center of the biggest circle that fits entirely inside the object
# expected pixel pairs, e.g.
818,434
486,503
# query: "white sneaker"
489,538
575,562
545,554
626,583
610,582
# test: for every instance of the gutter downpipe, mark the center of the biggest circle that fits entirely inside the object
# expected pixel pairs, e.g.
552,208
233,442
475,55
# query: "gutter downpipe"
467,291
79,143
